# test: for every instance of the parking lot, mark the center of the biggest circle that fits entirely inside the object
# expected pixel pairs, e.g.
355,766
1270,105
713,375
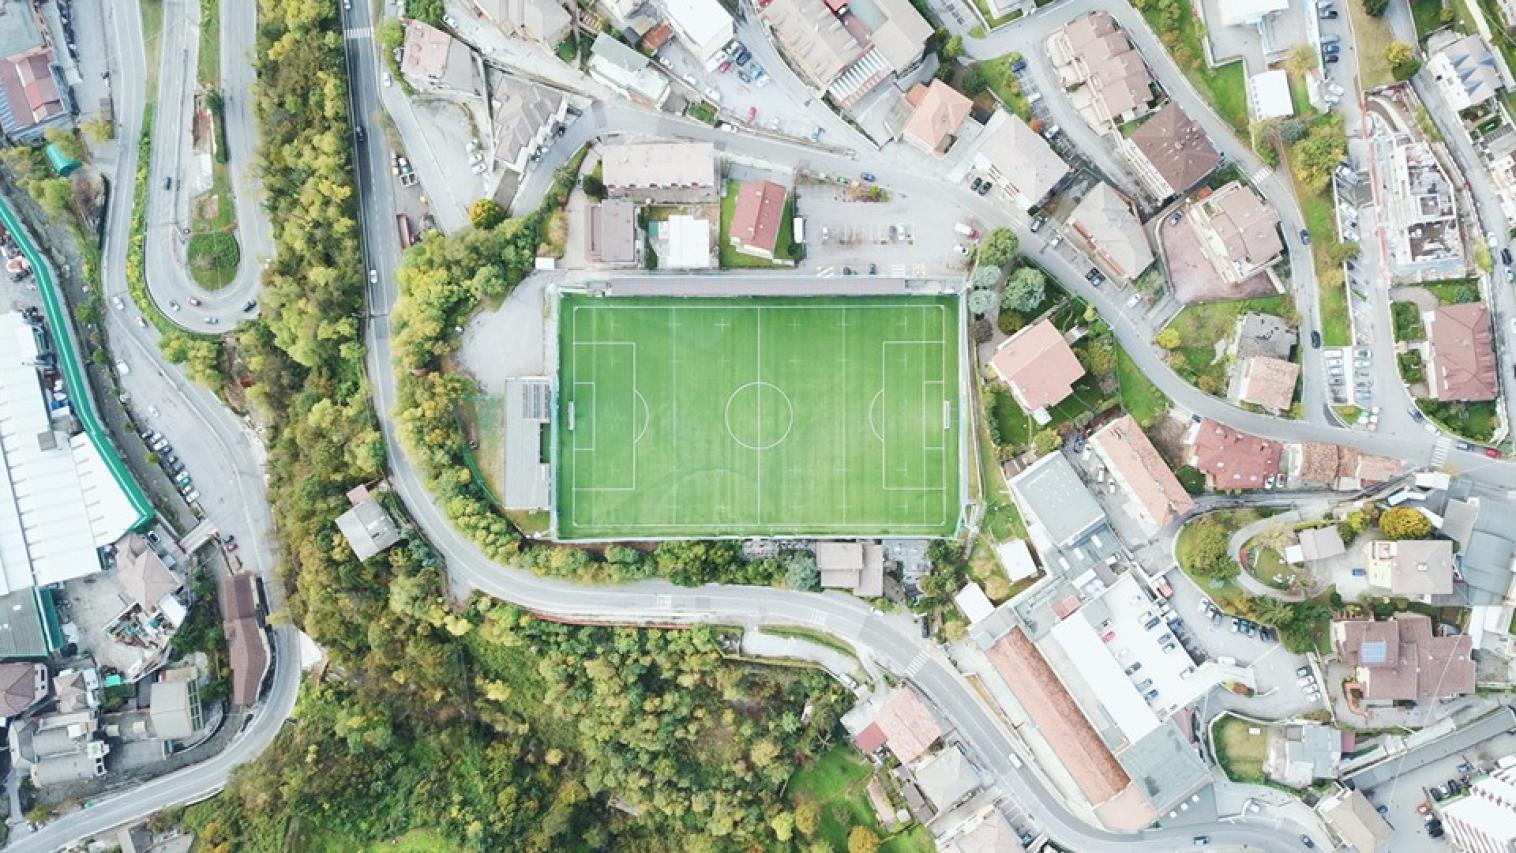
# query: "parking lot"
894,236
1140,637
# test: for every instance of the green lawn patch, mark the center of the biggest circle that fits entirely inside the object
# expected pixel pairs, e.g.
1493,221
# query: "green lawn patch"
1225,87
784,244
991,19
1015,426
1332,291
488,415
1455,291
1427,15
1411,368
838,780
1139,396
213,250
1269,567
1475,421
1240,752
1227,593
702,112
1407,321
1373,37
208,60
152,37
1002,81
1203,326
700,416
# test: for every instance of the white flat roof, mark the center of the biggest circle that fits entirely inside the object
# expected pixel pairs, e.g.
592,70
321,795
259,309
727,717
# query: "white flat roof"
1092,658
58,501
1269,94
702,20
1016,559
689,242
973,602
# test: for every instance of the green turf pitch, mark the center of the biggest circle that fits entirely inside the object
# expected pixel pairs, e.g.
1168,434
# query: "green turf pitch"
758,417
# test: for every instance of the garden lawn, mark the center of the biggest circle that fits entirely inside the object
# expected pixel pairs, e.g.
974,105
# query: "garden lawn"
1139,396
213,252
209,57
1224,87
1474,421
1428,16
1239,752
1373,37
1455,291
1201,327
1407,318
1002,81
839,780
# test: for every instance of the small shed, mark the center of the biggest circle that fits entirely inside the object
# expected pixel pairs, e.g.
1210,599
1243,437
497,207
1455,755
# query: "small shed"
61,162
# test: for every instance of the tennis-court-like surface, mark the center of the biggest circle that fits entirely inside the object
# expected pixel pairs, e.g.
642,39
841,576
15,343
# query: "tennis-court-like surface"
758,417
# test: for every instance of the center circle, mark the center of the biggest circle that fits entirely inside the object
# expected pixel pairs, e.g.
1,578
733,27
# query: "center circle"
759,415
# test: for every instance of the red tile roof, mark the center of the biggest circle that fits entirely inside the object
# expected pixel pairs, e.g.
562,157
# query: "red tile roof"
757,216
1400,659
1039,365
1141,471
871,738
1463,353
1232,459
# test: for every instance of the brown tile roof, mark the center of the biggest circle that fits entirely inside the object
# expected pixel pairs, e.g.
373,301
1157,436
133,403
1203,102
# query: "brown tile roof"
871,738
1400,659
29,86
1245,224
1318,462
1039,364
658,36
21,686
1415,567
1178,148
1232,459
909,726
1141,471
425,51
1377,469
247,646
1269,382
1463,353
1057,717
940,109
756,217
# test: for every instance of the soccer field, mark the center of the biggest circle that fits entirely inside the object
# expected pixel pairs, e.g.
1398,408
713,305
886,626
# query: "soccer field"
759,417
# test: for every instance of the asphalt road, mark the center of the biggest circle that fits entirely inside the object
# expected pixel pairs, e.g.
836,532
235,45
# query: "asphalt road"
168,210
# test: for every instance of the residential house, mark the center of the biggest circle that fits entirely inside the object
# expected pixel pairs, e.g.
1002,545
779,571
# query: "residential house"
174,709
631,73
433,59
1484,821
1399,659
1268,383
900,37
1460,362
33,92
22,687
1105,76
1238,231
77,688
757,218
986,833
611,232
1232,460
1416,569
147,582
1269,95
1023,167
904,725
1300,754
1465,72
705,27
1039,366
247,644
1335,466
854,566
688,243
946,778
368,529
62,748
1153,493
1105,225
1353,822
938,111
545,21
1316,543
660,172
1169,153
523,116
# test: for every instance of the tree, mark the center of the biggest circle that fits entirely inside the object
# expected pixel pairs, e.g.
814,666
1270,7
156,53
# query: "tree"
783,825
486,213
1098,357
1205,541
1169,339
999,247
1402,59
1403,522
1314,157
808,816
951,49
1375,7
1046,441
862,840
800,572
594,187
1301,59
982,301
973,81
985,277
1024,290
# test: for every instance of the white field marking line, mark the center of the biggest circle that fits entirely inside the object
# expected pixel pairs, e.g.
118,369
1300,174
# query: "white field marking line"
632,395
894,527
760,415
884,450
874,427
674,390
845,479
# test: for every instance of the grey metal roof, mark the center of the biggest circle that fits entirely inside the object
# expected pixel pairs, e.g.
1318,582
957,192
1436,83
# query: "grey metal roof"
1051,491
1165,767
21,634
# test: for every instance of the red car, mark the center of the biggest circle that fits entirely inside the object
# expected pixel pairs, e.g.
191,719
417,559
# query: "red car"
725,66
1492,453
1108,636
752,113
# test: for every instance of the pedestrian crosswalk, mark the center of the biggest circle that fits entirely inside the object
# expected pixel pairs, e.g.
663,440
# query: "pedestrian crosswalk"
916,664
1440,450
1258,176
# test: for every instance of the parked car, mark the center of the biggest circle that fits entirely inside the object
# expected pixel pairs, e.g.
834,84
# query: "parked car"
1505,256
1315,339
1134,667
868,176
1305,236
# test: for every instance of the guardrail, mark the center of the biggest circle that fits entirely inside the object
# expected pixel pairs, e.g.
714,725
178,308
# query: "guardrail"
73,373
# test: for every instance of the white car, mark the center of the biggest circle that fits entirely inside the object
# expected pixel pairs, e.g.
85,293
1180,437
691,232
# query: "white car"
116,301
450,21
386,79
